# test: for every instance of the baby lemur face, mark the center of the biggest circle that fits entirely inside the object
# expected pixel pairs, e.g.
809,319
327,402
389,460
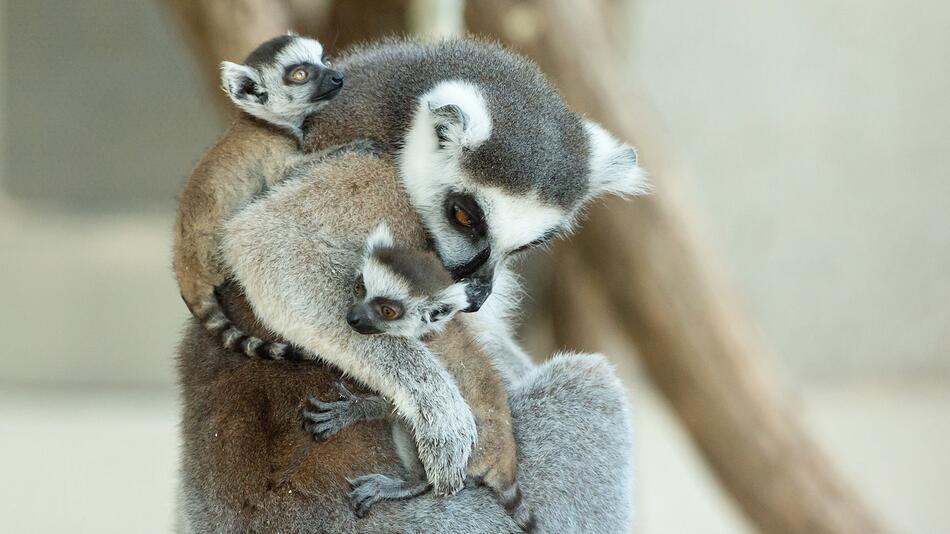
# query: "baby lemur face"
282,81
402,291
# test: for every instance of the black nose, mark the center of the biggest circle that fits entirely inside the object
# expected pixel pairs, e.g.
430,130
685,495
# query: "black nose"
477,292
329,85
358,321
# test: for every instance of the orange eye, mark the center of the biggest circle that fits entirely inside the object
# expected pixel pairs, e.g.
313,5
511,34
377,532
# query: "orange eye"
462,217
299,74
387,312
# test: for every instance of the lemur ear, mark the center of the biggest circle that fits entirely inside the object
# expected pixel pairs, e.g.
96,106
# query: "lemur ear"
449,122
381,237
459,114
614,168
242,84
444,305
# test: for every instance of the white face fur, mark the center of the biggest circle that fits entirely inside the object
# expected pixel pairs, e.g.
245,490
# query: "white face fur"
388,305
275,98
453,116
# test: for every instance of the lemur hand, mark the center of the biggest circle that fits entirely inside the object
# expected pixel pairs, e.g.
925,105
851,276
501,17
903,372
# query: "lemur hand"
445,435
328,418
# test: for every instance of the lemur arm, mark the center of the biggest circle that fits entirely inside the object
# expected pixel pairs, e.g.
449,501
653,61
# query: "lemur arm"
424,395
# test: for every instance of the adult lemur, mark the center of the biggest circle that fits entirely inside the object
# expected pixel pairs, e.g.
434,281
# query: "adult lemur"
405,291
492,162
248,467
280,84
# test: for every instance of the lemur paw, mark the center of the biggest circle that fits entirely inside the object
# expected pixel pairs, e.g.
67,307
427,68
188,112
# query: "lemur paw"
371,489
445,442
328,418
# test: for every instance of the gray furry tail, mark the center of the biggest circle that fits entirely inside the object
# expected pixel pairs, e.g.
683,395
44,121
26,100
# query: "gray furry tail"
212,317
513,501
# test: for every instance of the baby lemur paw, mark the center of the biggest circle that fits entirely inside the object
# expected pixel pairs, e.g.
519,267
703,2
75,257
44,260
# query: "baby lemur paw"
328,418
371,489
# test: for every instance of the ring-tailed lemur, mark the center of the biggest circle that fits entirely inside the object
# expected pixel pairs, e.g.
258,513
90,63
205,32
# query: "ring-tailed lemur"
247,466
493,160
281,82
407,292
493,163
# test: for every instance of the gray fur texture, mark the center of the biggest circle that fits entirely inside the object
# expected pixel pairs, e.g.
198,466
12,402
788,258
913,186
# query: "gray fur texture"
539,145
574,436
571,421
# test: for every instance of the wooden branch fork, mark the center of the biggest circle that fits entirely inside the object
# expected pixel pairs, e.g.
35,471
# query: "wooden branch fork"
636,264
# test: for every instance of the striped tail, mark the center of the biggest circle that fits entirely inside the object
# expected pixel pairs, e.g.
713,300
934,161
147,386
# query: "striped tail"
514,504
211,315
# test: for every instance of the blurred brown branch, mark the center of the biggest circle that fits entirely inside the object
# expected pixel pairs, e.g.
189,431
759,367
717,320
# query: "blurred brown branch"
636,267
219,30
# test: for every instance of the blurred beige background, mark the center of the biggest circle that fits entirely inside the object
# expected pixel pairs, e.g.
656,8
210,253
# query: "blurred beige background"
819,137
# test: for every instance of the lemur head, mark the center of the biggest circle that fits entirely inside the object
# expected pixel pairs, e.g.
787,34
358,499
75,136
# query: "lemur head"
282,81
498,169
403,291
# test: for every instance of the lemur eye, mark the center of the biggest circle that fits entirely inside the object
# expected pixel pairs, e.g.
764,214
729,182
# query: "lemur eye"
463,212
359,288
462,217
299,74
389,310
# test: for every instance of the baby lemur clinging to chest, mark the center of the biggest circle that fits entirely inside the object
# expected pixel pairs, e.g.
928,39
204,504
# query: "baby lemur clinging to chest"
404,291
280,84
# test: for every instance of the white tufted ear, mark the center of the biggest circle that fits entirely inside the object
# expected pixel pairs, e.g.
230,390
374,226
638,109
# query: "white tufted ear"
614,168
459,114
242,83
381,237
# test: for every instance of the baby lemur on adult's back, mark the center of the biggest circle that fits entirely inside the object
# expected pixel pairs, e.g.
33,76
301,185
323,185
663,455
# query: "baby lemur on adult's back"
280,84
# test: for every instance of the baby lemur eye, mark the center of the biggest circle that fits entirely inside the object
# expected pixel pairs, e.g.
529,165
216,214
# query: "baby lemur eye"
387,309
298,74
359,288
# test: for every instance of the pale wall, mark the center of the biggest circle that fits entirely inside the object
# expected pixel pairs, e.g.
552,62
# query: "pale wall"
817,133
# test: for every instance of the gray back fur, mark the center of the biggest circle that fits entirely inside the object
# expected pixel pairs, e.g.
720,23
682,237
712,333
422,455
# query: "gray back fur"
537,142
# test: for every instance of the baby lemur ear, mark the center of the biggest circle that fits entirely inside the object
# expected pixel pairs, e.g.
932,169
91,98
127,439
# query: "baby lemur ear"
242,84
445,304
614,168
460,117
381,237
